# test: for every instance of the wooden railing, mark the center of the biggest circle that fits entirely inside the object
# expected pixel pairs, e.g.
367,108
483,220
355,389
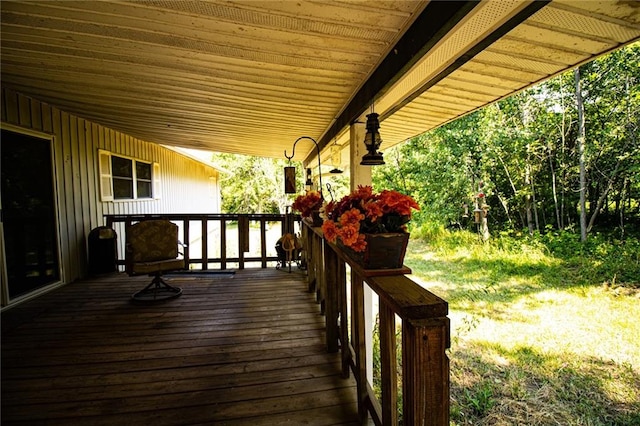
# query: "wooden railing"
425,334
201,233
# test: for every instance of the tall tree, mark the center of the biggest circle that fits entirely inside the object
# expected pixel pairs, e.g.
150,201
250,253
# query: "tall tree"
581,157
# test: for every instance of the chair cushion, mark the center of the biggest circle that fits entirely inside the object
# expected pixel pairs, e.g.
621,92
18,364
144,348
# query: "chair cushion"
152,240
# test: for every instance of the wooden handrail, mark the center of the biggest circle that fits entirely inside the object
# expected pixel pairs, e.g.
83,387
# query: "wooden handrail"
425,334
203,258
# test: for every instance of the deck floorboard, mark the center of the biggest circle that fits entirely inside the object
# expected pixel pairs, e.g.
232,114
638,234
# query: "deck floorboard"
242,349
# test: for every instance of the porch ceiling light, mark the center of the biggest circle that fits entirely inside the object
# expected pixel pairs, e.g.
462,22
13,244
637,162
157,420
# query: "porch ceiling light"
372,141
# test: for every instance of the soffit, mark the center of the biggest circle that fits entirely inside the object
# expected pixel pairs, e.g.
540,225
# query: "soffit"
558,37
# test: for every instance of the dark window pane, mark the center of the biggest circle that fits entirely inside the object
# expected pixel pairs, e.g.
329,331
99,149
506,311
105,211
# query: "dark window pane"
122,188
144,189
121,167
143,171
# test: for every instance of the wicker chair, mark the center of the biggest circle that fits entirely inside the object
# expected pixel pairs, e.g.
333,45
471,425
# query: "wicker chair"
152,248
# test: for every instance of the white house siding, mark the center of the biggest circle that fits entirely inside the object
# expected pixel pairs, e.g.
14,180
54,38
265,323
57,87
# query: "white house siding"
186,185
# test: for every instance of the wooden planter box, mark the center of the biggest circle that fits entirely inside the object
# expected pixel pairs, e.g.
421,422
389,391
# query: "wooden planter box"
384,251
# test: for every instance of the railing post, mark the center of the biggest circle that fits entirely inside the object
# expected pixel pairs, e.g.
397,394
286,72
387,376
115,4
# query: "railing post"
263,242
309,248
187,240
341,277
388,364
331,297
223,244
205,243
319,266
359,346
425,372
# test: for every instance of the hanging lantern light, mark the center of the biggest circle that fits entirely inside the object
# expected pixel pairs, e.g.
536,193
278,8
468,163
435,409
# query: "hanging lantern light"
308,182
290,180
372,141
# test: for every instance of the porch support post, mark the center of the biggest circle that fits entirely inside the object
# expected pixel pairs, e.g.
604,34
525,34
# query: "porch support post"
361,175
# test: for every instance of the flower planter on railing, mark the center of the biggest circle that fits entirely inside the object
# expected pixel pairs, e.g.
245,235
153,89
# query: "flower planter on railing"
370,227
382,251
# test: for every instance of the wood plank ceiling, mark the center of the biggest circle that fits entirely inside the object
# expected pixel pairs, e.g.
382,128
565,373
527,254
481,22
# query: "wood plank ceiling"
250,77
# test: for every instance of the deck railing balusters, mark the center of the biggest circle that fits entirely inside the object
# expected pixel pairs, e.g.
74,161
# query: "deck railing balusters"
425,336
121,222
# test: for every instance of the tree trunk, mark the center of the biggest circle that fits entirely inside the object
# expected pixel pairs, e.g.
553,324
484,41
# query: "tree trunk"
581,146
513,186
604,194
506,208
527,198
554,189
625,187
535,206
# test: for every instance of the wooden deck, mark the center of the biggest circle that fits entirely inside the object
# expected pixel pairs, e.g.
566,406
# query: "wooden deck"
246,349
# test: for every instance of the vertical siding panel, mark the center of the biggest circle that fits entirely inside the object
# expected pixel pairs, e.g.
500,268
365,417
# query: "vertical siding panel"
85,191
105,208
47,125
65,123
24,112
11,107
138,149
56,124
76,195
36,115
94,195
3,104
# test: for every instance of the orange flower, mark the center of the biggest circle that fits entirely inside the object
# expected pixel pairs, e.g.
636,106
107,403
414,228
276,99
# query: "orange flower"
348,235
395,202
330,231
360,244
363,192
351,217
373,210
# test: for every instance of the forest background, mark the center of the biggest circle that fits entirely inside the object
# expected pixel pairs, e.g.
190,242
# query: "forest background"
544,293
523,155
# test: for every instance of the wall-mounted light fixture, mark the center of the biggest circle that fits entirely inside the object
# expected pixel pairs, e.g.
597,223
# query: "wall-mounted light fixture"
308,170
372,141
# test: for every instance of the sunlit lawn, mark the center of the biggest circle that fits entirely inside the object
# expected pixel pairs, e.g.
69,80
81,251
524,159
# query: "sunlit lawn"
535,341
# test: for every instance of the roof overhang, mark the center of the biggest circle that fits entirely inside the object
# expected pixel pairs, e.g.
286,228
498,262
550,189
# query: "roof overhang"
250,77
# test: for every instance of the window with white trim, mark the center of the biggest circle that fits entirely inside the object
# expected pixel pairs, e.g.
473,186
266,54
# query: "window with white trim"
124,178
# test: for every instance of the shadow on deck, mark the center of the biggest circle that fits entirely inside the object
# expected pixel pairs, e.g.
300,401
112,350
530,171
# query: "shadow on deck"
243,349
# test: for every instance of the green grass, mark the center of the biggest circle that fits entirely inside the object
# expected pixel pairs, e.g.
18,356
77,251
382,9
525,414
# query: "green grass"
545,330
